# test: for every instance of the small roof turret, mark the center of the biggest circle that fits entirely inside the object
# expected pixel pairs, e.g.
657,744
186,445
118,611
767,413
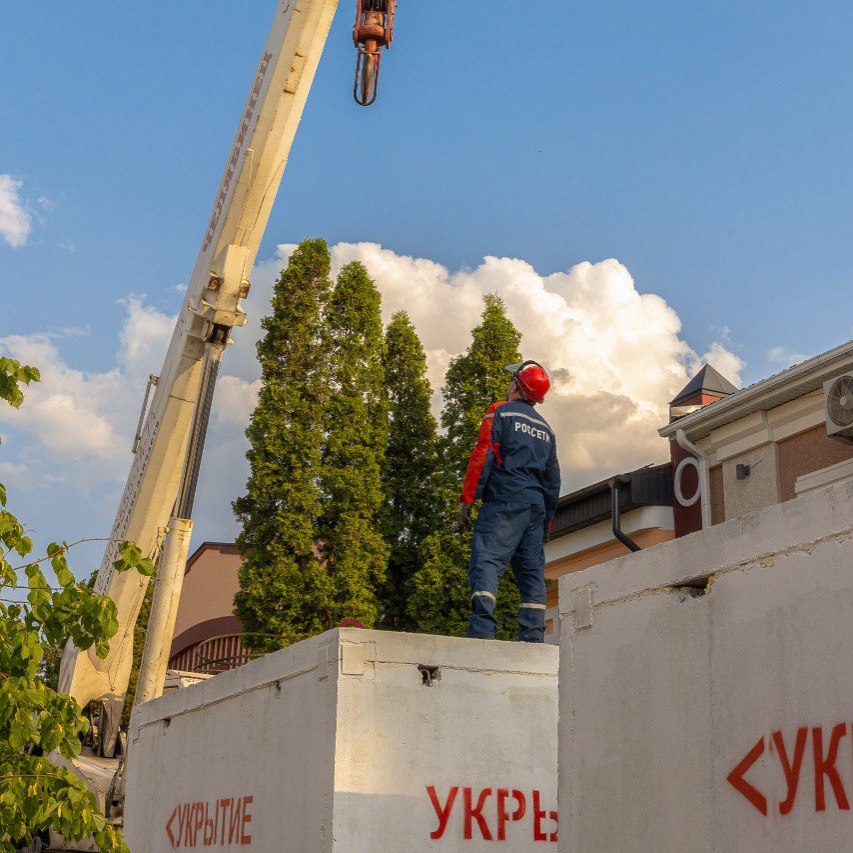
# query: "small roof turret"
707,382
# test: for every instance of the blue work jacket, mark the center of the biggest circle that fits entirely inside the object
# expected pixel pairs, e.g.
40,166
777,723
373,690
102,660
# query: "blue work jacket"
515,458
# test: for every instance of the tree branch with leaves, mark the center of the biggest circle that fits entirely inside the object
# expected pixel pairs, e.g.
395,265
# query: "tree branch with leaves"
36,721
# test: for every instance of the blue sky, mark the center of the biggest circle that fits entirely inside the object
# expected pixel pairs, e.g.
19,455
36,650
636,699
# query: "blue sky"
705,146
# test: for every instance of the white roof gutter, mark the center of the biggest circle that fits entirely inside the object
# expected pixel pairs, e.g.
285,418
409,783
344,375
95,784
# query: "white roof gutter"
704,479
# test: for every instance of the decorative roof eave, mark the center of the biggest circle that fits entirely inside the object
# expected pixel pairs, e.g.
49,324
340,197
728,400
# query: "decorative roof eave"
790,384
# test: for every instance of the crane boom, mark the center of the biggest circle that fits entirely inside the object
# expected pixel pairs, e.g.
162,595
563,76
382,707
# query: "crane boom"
212,307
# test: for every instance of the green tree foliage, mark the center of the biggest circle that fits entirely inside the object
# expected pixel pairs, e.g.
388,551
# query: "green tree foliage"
440,600
52,660
474,381
313,552
410,470
351,542
37,613
284,589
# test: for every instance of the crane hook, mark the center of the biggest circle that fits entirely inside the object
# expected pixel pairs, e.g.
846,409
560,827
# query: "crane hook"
373,30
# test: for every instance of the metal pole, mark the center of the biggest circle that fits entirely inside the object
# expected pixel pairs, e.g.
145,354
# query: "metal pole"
164,610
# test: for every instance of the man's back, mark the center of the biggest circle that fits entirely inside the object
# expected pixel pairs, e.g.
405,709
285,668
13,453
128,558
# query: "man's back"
523,467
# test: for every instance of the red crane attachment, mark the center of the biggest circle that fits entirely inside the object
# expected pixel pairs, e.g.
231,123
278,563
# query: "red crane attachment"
373,30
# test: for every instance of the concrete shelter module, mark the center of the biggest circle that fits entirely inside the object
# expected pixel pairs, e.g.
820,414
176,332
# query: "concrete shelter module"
354,741
706,689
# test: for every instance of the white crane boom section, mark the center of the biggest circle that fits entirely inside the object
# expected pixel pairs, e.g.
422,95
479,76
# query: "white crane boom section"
212,307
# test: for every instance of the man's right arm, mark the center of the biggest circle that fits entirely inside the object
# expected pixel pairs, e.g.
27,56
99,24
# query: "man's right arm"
477,461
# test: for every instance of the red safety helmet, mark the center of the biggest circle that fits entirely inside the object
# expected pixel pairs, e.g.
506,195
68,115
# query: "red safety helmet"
532,380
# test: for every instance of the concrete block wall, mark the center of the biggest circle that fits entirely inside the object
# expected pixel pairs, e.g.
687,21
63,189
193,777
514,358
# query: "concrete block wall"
354,742
706,689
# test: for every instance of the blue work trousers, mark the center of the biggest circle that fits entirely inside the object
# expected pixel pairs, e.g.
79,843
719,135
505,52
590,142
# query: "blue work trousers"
508,534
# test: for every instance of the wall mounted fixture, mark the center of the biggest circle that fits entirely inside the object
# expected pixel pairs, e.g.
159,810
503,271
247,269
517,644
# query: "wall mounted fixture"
743,471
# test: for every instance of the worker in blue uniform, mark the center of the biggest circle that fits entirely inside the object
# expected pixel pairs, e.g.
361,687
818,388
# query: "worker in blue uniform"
514,469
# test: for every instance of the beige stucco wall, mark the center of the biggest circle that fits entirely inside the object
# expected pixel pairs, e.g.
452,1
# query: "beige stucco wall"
209,587
758,490
718,499
778,445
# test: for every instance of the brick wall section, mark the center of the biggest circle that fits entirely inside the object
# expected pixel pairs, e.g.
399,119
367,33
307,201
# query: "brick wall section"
806,452
718,495
688,519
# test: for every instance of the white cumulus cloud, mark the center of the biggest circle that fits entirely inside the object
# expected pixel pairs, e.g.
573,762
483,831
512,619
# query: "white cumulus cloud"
81,418
725,361
10,471
784,356
144,336
235,400
615,354
15,222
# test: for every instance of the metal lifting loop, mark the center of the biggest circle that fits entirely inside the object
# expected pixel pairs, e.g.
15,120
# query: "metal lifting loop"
373,30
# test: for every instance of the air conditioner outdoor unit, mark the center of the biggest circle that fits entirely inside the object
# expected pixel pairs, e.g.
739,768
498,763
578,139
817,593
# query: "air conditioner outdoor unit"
838,406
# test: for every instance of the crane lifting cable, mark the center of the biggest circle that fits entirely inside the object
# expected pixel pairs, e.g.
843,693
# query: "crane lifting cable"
373,30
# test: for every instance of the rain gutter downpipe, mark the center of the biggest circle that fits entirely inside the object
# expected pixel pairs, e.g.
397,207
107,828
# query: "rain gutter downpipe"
704,484
615,488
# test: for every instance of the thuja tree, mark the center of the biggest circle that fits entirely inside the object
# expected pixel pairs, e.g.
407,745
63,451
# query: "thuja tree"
440,599
356,431
41,605
285,590
410,470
